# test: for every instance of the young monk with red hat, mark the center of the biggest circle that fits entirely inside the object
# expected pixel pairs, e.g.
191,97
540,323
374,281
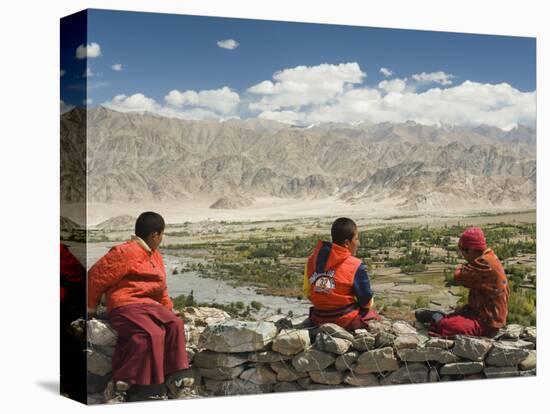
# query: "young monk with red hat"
487,306
337,283
151,340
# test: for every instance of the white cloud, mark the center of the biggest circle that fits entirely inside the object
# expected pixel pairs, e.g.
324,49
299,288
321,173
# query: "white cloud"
62,72
472,103
63,107
386,72
222,100
91,50
88,73
434,77
138,102
393,85
117,67
229,44
305,85
88,101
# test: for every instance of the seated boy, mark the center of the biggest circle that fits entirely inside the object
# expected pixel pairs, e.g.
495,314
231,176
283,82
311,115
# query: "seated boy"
487,305
151,341
336,282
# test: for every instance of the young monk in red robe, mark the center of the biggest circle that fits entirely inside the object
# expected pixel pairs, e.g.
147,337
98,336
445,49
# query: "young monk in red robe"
151,340
487,306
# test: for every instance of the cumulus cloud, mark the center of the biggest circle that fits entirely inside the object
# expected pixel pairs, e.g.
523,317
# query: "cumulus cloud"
138,102
64,107
222,100
117,67
469,103
393,85
386,72
91,50
434,77
229,44
88,101
301,86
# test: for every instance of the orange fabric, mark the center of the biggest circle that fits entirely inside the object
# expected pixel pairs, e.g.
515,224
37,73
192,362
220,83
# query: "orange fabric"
489,290
128,274
335,290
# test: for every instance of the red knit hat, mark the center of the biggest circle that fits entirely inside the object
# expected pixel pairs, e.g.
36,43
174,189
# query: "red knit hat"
473,238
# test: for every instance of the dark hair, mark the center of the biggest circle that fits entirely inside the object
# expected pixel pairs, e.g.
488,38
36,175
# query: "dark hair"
148,223
343,229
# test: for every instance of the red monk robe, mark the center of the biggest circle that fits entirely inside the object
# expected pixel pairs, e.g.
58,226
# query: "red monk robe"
151,340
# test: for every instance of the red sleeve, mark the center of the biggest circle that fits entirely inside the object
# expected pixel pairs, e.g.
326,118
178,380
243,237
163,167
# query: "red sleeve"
104,274
477,275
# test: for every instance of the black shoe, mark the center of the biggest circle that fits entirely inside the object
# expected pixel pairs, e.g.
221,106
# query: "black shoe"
427,315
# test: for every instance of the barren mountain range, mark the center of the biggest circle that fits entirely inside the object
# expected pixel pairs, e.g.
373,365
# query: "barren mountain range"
134,157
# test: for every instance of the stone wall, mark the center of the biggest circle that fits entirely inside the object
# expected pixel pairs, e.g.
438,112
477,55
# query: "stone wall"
230,357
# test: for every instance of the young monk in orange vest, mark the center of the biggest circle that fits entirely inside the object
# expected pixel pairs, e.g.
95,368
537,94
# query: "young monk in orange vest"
151,340
487,306
336,282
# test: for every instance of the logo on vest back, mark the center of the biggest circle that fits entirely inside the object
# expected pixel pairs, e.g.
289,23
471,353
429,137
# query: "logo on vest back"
322,282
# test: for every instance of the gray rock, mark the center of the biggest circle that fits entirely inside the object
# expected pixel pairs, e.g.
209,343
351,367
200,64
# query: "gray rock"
474,376
328,376
204,316
235,387
267,357
304,382
471,348
426,354
363,341
344,362
287,387
403,328
361,380
286,372
530,362
440,343
378,360
530,334
312,360
327,343
97,363
191,354
222,373
501,372
512,331
504,355
210,359
433,375
529,373
519,343
105,350
384,339
193,335
461,368
261,375
336,331
100,333
407,374
407,341
238,336
291,341
375,327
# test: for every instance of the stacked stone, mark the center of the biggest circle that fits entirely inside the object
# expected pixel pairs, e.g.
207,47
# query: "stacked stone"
231,357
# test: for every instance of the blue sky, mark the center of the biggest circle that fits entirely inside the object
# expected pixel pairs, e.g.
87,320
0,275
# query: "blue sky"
327,72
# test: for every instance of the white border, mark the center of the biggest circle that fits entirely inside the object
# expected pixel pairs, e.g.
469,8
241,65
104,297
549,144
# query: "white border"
30,211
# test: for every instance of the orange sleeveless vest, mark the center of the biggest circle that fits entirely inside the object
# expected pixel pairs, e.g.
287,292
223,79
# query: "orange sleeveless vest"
330,271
